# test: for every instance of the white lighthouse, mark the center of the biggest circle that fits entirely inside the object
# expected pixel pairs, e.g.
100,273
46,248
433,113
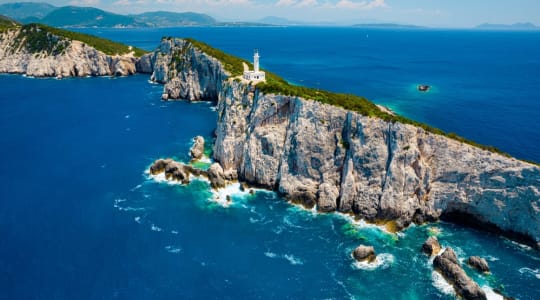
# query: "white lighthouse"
256,74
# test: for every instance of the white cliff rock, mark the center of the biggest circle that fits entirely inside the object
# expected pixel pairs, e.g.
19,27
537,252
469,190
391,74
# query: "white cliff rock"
334,159
67,58
187,72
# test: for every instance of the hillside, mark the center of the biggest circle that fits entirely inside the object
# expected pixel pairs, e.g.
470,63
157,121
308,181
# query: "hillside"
37,38
277,85
22,11
73,16
172,19
7,23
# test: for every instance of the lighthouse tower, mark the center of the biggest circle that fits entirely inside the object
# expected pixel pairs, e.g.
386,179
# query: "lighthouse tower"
256,60
255,75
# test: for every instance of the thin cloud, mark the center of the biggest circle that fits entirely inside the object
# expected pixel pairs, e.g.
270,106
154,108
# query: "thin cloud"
361,5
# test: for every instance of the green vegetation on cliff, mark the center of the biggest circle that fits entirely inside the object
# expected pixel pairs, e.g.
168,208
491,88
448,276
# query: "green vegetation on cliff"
277,85
38,37
7,23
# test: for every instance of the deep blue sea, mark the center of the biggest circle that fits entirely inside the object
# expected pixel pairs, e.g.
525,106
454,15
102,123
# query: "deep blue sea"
80,219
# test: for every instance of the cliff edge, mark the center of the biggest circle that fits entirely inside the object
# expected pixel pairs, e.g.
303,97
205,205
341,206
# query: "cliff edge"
42,51
334,159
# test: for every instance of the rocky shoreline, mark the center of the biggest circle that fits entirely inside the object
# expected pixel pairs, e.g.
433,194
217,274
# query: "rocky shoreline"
319,155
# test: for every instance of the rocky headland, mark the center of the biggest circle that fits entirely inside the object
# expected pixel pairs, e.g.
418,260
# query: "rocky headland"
338,153
41,51
335,159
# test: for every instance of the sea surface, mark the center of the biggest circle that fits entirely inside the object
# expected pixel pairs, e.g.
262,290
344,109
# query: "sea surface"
81,219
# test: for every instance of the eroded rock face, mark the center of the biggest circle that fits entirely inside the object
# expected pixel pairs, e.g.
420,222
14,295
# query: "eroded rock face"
197,150
380,171
364,253
478,263
187,72
324,156
76,60
448,265
216,176
431,246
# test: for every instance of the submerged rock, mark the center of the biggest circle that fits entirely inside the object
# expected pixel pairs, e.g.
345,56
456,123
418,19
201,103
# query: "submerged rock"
364,253
478,263
431,246
197,150
448,265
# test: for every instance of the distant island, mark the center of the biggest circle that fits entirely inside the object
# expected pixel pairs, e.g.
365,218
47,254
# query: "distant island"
389,26
515,26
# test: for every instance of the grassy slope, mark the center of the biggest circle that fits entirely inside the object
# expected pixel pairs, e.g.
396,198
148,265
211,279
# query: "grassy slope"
277,85
38,40
7,23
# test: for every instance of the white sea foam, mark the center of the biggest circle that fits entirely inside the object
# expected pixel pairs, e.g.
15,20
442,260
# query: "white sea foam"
522,246
490,294
174,232
441,284
491,258
270,254
129,208
160,178
172,249
533,272
278,230
155,228
137,219
136,187
293,260
383,261
205,159
232,190
127,116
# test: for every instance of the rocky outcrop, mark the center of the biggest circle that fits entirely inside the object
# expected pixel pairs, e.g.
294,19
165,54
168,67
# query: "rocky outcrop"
197,150
175,171
431,246
66,58
186,72
478,264
448,265
337,160
364,253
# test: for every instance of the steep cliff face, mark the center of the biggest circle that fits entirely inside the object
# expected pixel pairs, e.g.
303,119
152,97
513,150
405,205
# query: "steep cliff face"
186,72
41,54
334,159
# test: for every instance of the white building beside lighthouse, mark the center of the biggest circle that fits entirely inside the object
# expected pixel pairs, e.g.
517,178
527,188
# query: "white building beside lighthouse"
256,74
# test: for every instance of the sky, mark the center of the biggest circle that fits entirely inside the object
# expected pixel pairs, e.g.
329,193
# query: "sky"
437,13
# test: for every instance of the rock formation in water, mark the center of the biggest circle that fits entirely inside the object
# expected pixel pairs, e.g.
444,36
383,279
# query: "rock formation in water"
364,253
431,246
478,264
448,265
34,51
197,150
339,160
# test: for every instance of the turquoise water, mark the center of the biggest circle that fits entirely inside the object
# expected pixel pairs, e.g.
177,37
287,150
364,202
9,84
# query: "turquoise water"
79,218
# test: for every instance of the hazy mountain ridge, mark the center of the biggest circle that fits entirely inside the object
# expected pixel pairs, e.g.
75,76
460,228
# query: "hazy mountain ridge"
515,26
76,16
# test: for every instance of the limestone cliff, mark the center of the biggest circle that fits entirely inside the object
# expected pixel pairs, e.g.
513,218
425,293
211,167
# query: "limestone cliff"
34,51
339,160
187,72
